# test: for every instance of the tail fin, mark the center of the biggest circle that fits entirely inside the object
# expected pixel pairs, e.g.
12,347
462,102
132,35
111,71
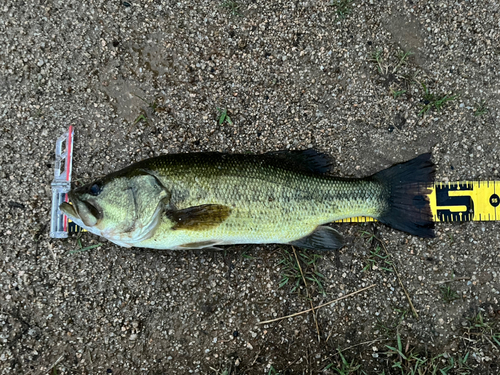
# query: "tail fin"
407,185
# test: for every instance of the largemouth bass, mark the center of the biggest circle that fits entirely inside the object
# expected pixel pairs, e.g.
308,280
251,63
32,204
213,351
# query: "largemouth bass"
200,200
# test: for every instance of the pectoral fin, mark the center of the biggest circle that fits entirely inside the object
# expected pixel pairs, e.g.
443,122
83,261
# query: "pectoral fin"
199,217
321,239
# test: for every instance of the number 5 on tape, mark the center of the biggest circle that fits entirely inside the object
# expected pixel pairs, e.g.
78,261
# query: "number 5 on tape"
465,201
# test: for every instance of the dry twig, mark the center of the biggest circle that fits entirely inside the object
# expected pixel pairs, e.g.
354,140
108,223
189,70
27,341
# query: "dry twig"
54,364
317,307
308,295
452,280
361,343
413,310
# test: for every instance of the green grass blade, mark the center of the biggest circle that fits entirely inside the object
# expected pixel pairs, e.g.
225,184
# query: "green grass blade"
84,249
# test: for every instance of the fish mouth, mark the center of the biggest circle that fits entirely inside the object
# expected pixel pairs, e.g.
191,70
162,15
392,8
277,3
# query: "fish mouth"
88,212
69,210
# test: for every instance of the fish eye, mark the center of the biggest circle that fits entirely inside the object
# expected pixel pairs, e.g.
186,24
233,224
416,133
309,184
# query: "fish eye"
95,189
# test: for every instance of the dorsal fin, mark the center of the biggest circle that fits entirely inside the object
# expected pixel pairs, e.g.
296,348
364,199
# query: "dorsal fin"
309,161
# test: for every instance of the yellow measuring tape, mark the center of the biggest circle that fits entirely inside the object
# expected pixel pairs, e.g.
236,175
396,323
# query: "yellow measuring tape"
465,201
459,201
450,202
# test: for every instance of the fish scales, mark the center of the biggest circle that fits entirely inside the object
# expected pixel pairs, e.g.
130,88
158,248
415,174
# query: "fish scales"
268,204
205,199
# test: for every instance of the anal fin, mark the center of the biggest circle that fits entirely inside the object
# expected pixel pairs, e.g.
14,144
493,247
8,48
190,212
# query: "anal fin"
321,239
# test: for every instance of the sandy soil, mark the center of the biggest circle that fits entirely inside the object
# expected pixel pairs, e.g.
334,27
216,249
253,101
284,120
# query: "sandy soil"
142,78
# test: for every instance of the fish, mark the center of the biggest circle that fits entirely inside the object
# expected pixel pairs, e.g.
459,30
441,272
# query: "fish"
207,199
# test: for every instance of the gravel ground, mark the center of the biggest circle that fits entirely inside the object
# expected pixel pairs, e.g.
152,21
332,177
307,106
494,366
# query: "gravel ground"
139,79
